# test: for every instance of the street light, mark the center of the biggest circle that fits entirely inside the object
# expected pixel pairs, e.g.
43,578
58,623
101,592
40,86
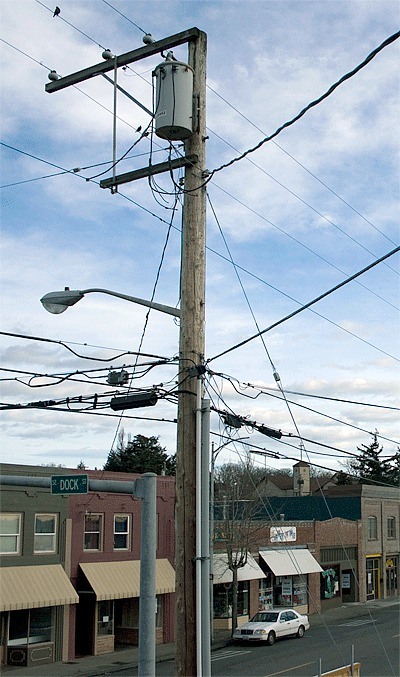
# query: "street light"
58,301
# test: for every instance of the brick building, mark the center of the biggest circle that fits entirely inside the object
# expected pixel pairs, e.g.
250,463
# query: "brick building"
78,559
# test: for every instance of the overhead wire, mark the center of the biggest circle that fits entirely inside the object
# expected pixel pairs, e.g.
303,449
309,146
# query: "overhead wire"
147,315
297,161
312,302
297,241
137,204
64,344
388,41
261,390
307,204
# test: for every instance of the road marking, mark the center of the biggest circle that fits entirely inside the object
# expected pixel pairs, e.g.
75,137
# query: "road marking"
296,667
354,623
228,654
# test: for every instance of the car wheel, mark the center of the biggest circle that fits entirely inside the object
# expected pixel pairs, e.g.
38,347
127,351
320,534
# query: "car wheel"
300,631
271,638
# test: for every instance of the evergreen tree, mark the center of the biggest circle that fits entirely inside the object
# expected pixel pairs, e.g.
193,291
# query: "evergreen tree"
139,455
394,469
342,478
369,467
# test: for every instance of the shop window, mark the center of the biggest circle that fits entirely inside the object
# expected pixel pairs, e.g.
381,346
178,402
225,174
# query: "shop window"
223,599
121,532
330,586
93,532
159,612
290,590
10,533
105,617
391,527
265,594
45,533
30,626
372,528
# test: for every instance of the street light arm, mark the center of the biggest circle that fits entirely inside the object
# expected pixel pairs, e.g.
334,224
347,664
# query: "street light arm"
58,301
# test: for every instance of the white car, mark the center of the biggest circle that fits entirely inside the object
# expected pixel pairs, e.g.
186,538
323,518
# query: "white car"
267,626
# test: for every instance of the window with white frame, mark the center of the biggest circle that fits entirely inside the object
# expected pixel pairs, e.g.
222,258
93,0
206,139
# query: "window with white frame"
121,532
391,527
45,533
10,533
372,528
93,533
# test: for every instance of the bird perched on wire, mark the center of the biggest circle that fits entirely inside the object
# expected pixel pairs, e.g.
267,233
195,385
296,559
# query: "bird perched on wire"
56,11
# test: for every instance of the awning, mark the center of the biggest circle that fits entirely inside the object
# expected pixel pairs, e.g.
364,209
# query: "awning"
222,574
29,587
118,580
289,562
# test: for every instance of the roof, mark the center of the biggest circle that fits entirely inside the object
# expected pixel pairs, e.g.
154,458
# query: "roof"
30,587
304,508
118,580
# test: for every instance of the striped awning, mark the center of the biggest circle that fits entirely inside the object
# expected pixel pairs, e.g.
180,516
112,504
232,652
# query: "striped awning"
118,580
29,587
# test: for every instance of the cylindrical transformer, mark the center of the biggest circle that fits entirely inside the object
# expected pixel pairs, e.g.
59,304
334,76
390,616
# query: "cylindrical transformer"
174,100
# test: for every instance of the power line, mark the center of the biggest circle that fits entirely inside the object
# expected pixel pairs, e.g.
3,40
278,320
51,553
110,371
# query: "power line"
302,244
297,404
307,204
331,399
125,17
70,24
316,300
292,157
297,117
64,344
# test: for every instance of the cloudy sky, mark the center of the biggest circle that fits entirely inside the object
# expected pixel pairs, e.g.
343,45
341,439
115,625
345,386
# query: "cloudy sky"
297,217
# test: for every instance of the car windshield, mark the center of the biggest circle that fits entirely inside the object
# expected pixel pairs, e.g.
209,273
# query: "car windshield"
265,617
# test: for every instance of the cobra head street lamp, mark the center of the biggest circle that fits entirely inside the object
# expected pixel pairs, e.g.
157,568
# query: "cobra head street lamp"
58,301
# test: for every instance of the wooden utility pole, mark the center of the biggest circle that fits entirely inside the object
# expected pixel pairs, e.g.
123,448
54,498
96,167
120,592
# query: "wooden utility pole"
191,354
192,315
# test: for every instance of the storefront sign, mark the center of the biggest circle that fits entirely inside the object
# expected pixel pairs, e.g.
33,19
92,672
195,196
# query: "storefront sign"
282,534
287,585
346,581
329,586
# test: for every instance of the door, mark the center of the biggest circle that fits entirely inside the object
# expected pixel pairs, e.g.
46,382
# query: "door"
288,623
373,576
84,628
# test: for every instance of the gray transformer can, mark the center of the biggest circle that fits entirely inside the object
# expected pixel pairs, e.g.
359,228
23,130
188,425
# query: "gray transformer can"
174,100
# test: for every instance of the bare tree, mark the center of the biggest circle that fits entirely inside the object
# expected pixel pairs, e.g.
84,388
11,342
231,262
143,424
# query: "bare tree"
234,491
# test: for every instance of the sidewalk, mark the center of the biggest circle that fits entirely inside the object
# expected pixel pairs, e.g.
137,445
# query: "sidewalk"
122,658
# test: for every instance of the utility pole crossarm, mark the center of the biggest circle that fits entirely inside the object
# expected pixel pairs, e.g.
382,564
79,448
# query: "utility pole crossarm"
123,60
150,170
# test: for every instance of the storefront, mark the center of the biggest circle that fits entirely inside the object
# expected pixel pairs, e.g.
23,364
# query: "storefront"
338,583
108,613
248,586
32,603
286,577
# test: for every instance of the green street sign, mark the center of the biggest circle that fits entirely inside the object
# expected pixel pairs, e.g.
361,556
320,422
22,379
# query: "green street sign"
69,484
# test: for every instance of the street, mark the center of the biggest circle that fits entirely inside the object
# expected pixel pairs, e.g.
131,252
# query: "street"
375,637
